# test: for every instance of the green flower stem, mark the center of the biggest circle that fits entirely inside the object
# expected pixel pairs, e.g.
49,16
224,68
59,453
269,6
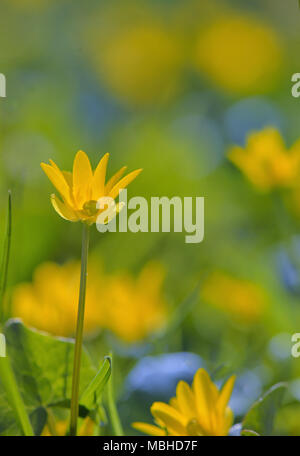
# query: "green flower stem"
112,408
79,331
14,397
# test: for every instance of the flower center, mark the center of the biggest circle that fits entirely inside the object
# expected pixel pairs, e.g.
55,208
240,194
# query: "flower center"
90,207
194,428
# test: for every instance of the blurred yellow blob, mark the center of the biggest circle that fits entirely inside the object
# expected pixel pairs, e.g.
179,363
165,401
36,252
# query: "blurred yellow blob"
239,54
266,162
195,411
60,428
135,307
131,308
241,299
140,64
50,302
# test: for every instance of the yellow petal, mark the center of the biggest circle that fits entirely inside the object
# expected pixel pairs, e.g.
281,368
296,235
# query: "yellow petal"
87,428
265,144
124,182
58,180
82,177
99,178
205,395
173,420
186,400
225,394
174,403
63,209
227,421
66,174
149,429
69,178
52,163
237,155
114,179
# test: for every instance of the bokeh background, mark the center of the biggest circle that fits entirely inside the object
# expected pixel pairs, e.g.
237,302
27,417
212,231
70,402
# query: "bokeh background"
169,86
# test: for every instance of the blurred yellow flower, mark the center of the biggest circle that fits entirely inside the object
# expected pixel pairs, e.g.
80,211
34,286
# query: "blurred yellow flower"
130,308
140,64
49,303
134,307
61,428
195,411
266,162
239,54
81,189
241,299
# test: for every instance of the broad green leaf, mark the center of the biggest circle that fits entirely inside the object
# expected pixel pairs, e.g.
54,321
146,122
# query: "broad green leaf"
38,419
14,397
43,367
260,417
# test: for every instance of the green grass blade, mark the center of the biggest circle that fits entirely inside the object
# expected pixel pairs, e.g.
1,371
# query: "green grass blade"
9,383
112,408
97,384
5,258
7,376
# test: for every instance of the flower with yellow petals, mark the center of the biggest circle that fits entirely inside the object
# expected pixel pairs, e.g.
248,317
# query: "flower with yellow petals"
266,162
195,411
60,428
135,308
55,312
131,308
81,189
241,299
240,54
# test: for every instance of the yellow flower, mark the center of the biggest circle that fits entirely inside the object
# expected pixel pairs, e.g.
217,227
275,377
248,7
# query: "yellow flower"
138,59
242,299
135,308
61,428
239,54
81,189
266,162
195,411
130,308
55,311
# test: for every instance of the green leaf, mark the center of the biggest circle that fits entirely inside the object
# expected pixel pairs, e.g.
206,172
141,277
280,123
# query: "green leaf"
260,418
112,408
94,390
38,420
14,406
43,367
43,364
